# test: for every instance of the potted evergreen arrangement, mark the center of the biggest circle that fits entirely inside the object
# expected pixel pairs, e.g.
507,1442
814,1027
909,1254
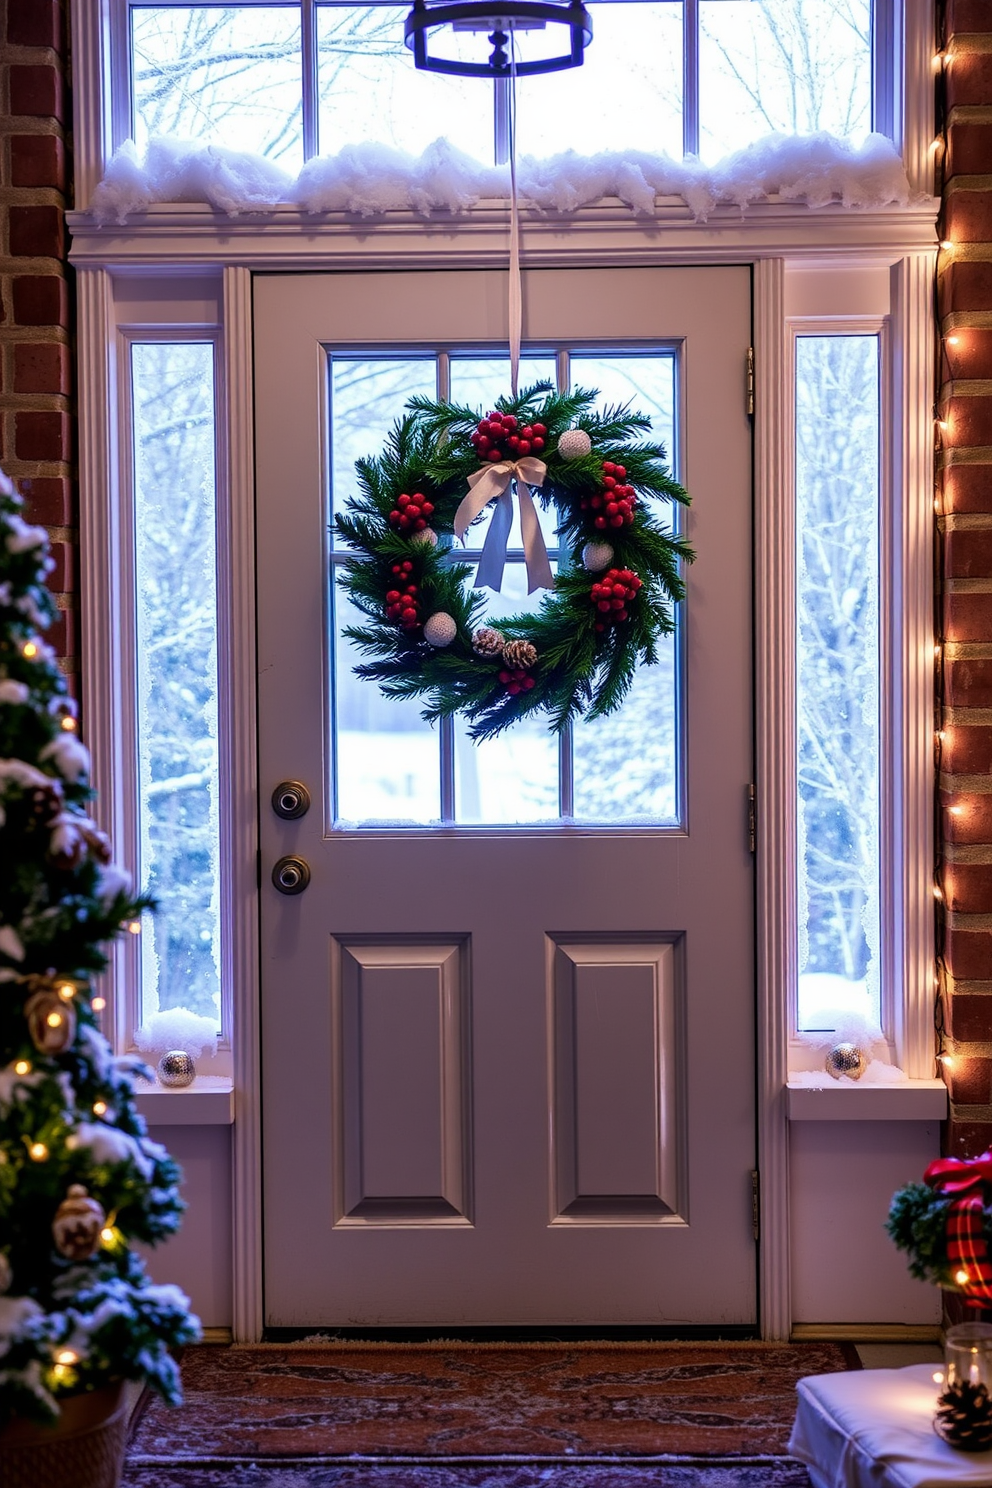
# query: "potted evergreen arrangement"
79,1179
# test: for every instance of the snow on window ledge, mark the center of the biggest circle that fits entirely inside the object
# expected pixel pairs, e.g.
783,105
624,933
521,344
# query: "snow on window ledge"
368,180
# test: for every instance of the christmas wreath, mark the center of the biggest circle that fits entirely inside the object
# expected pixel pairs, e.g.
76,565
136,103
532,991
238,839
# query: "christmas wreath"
945,1226
616,588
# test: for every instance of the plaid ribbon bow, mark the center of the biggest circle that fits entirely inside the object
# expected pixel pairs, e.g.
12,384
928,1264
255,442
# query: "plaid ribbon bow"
964,1180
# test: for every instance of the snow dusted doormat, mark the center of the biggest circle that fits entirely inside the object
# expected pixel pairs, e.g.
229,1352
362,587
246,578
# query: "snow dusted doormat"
706,1415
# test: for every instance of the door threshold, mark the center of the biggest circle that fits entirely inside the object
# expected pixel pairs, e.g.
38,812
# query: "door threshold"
563,1334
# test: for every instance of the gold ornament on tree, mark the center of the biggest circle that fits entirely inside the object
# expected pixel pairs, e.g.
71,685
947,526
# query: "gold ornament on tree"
488,642
51,1021
519,654
77,1225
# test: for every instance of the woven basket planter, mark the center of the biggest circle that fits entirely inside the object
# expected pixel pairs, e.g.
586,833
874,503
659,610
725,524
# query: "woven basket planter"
83,1449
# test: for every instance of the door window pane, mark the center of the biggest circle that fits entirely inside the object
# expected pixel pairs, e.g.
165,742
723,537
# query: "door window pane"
386,760
793,65
368,396
514,777
176,636
220,75
837,496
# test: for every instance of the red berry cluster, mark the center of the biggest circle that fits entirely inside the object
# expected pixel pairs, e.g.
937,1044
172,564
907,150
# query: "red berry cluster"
499,437
411,513
515,680
614,505
613,594
402,604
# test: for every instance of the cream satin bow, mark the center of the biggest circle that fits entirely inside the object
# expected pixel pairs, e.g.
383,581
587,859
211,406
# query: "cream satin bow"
497,481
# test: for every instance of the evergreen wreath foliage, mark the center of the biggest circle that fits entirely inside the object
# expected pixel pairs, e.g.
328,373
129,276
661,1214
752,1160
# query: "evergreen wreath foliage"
76,1312
917,1223
579,669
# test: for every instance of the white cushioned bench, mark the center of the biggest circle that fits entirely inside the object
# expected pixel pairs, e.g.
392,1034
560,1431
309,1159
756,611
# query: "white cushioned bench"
873,1428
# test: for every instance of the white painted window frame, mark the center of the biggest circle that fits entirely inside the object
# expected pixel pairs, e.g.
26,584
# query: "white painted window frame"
175,244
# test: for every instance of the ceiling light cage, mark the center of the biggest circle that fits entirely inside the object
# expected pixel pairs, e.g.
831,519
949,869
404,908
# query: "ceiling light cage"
515,15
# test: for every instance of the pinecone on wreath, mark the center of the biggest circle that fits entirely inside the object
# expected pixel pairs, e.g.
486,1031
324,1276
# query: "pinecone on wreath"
964,1417
488,642
519,654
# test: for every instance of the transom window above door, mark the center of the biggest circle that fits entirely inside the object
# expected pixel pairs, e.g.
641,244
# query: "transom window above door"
392,768
293,80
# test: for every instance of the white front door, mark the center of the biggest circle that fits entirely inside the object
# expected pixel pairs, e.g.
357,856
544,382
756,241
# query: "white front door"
508,1028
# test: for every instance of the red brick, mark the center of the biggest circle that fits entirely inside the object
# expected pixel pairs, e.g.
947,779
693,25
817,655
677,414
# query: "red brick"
968,554
41,368
48,500
966,218
36,232
968,684
968,617
970,1081
63,576
967,488
965,285
968,79
968,352
970,421
61,634
967,750
42,436
41,299
966,15
34,23
37,160
968,1139
971,822
969,149
36,91
969,1018
968,954
968,889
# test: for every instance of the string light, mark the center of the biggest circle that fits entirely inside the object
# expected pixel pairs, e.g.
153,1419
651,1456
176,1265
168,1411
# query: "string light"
37,1151
135,927
68,723
953,340
98,1004
956,810
22,1067
66,991
961,1277
29,649
99,1108
947,1060
938,892
54,1020
67,1356
938,1376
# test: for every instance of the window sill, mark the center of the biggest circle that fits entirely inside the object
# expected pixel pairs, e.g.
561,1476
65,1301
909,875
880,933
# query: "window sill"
209,1101
916,1100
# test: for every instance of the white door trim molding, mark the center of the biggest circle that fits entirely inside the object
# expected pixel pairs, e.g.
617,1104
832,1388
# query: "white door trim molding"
775,776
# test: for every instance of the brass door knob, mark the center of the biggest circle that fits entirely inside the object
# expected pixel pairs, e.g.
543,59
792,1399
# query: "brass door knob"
291,875
290,800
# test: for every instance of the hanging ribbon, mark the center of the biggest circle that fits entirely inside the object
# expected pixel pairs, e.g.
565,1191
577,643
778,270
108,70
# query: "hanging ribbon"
498,482
966,1247
515,290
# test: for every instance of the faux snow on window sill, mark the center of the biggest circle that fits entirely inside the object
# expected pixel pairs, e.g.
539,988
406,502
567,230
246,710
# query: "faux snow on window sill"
369,179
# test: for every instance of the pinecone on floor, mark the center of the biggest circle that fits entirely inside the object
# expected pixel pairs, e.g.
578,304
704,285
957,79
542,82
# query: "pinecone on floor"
964,1417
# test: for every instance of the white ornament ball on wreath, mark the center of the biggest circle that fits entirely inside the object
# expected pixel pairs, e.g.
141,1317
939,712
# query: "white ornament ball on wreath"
440,629
596,556
426,537
574,444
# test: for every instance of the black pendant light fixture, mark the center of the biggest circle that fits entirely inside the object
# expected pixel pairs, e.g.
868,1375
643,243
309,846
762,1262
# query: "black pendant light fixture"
482,16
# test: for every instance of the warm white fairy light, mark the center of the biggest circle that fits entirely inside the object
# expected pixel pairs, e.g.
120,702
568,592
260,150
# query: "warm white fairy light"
99,1108
55,1020
69,723
37,1151
66,991
961,1276
29,649
135,927
67,1356
22,1067
98,1004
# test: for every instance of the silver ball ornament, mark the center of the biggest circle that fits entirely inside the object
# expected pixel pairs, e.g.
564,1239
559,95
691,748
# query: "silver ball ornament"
574,444
440,629
846,1059
176,1069
596,556
425,538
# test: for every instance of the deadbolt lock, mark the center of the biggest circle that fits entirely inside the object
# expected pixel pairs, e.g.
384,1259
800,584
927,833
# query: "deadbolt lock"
290,800
291,875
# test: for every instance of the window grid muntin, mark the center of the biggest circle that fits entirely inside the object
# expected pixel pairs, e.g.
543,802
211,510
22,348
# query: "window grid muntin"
886,81
337,556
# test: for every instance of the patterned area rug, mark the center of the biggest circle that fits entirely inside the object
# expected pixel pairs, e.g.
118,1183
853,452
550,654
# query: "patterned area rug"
481,1416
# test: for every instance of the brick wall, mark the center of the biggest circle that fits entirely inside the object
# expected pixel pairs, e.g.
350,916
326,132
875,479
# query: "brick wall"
965,566
36,353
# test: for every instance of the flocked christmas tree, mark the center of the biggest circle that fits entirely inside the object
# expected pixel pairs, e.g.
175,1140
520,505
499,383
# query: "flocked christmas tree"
79,1179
